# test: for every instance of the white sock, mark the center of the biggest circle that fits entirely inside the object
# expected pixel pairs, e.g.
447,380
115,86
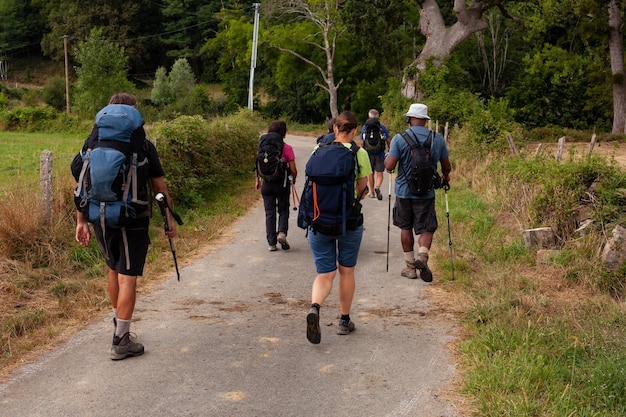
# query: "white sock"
123,327
423,250
409,256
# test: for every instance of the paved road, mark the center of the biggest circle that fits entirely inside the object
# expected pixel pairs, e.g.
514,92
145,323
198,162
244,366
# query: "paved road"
229,340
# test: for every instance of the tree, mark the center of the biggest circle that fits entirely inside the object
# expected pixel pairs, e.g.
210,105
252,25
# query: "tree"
187,25
324,16
129,24
442,40
616,51
230,51
101,72
161,94
181,79
567,72
20,25
175,87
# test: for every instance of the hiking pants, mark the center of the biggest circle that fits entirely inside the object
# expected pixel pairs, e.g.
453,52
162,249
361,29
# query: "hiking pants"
275,198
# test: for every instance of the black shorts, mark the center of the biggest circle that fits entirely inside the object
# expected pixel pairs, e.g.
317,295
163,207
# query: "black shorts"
377,161
115,246
416,214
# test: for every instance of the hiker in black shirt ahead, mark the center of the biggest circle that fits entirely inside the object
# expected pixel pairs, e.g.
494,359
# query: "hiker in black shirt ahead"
125,248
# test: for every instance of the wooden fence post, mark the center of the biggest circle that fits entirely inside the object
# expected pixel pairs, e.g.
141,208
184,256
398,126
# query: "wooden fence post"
45,184
511,144
559,151
592,144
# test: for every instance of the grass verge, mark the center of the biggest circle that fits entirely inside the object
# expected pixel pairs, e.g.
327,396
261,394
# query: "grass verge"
539,338
42,306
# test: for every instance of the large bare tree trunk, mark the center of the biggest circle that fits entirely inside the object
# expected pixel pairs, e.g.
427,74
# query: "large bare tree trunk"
616,50
441,40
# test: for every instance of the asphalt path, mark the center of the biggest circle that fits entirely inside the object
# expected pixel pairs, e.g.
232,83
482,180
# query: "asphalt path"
229,339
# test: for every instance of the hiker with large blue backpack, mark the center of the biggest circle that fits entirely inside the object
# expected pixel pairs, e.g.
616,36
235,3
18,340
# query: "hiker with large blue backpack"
113,171
276,173
330,211
417,152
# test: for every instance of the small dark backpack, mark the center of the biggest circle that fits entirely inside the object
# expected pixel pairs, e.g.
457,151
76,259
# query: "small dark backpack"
422,175
373,139
270,164
327,203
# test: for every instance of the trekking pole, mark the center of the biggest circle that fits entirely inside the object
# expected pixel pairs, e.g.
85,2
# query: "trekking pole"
165,211
388,223
294,195
446,187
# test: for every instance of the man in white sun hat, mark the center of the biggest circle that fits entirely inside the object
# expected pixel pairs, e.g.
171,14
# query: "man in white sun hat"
414,209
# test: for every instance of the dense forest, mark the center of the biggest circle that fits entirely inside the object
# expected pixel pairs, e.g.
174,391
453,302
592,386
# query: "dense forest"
549,63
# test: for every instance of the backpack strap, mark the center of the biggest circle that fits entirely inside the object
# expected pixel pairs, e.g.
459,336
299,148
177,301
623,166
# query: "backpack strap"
429,140
409,141
82,179
415,143
354,148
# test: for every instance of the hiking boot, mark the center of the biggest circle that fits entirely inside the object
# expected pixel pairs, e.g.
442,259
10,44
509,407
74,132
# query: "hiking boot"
378,194
124,347
313,332
345,327
410,271
421,263
272,248
282,239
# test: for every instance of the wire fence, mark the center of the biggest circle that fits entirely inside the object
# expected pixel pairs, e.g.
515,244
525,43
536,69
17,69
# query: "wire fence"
38,179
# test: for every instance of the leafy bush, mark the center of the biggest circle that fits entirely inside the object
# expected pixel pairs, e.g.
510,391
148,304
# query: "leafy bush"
54,93
26,118
394,106
201,156
557,192
160,94
31,97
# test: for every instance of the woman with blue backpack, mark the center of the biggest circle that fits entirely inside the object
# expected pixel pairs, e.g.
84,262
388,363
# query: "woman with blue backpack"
333,219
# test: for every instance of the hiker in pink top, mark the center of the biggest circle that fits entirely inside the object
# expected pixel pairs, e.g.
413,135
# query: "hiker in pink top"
276,193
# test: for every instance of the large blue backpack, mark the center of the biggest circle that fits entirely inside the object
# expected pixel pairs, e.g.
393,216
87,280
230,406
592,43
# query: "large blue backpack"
328,204
109,187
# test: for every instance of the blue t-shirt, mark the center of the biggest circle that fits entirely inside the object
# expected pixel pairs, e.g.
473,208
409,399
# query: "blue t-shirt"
383,132
401,150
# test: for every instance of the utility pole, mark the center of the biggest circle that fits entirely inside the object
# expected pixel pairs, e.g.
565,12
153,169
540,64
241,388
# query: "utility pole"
67,77
255,40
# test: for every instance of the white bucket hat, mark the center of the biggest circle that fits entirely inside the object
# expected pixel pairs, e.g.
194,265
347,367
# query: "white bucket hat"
419,111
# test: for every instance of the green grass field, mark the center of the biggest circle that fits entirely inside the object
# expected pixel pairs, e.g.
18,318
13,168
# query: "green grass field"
21,152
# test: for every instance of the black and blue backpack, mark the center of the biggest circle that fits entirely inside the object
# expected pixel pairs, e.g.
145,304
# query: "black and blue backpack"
328,204
112,183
